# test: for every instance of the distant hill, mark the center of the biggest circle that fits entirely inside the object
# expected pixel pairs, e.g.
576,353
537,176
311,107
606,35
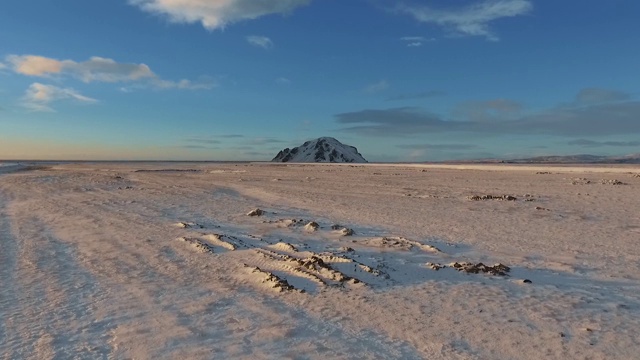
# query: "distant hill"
578,159
323,150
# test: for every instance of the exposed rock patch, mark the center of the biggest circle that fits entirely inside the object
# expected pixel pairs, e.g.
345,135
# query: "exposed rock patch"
312,226
273,280
255,212
612,182
580,181
187,225
344,231
198,245
492,197
471,268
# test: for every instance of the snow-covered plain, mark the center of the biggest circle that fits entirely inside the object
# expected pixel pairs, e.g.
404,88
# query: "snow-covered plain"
6,167
105,261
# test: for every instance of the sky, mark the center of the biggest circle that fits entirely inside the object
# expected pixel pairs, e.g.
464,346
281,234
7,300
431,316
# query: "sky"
414,80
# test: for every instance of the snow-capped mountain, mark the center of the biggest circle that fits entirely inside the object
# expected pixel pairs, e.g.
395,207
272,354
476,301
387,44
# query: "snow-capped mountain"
324,149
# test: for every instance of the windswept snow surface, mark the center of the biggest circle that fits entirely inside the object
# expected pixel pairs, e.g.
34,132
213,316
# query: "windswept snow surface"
106,261
6,167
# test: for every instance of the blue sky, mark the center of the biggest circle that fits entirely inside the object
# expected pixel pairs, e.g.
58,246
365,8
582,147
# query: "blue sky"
242,79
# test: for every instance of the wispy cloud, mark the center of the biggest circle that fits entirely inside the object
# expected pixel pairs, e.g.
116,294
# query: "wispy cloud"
472,20
199,147
98,69
437,146
413,38
200,143
598,96
206,141
265,141
204,83
38,97
416,41
593,143
95,69
500,116
283,81
216,14
395,121
419,95
489,110
376,87
213,139
260,41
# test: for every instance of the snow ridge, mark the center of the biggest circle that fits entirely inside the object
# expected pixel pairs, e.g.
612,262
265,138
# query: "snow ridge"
323,150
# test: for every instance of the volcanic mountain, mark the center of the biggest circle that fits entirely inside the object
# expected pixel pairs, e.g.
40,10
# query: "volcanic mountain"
324,149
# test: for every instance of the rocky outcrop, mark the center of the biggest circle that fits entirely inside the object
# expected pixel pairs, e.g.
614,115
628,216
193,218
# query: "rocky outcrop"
322,150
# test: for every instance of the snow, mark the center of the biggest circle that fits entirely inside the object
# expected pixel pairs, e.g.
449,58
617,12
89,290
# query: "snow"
101,261
321,150
7,167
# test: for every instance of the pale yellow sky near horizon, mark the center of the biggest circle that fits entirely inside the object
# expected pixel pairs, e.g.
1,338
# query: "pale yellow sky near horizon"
50,150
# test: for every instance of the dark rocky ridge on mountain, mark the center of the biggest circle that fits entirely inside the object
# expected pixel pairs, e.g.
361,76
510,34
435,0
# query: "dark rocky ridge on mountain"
321,150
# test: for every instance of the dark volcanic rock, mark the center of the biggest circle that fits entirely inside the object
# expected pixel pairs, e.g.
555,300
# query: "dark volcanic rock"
324,149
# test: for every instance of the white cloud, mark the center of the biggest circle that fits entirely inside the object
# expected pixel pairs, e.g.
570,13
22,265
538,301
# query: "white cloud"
98,69
184,84
413,38
416,41
38,97
32,65
216,14
260,41
95,69
597,96
283,81
108,70
472,20
377,87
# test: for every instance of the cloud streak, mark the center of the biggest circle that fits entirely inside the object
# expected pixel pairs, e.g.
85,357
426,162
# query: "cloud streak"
419,95
381,85
598,96
97,69
260,41
394,121
472,20
490,110
437,146
499,116
265,141
415,41
592,143
216,14
38,97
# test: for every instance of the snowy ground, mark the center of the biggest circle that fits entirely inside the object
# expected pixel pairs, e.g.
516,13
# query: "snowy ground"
6,167
108,261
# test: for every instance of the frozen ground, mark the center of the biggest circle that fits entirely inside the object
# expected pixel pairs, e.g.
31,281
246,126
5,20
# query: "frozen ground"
150,261
6,167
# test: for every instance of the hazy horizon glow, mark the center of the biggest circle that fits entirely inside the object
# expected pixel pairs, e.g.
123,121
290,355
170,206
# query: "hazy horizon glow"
240,80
